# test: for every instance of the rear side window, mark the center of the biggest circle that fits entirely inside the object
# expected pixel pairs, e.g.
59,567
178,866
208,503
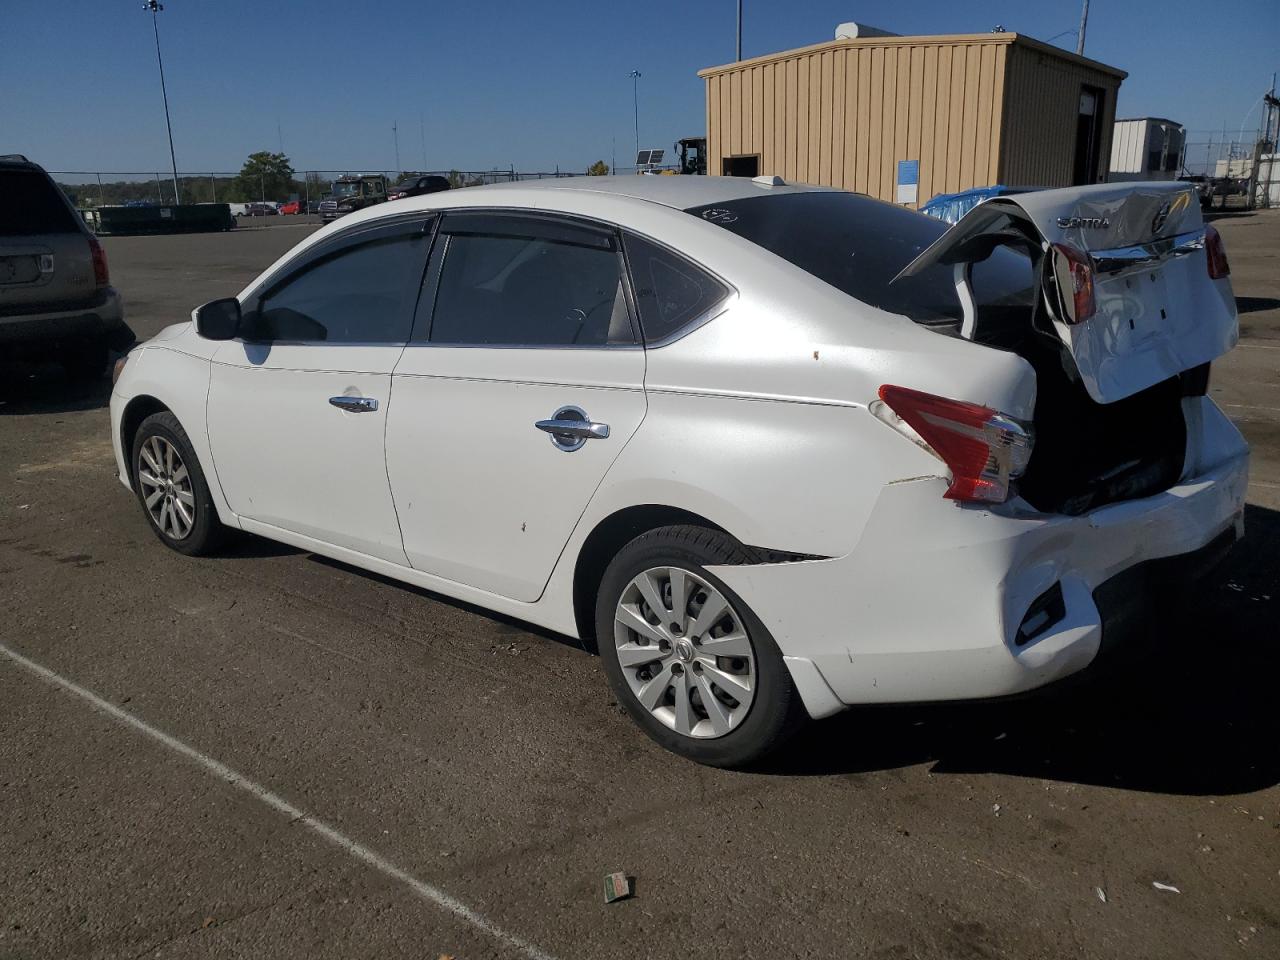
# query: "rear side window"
520,283
360,294
858,245
670,291
31,204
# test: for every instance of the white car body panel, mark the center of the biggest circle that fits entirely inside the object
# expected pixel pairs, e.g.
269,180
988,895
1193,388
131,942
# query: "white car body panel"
484,497
756,421
274,435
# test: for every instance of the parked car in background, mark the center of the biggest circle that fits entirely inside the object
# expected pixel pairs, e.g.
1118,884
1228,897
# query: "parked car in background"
748,438
261,210
293,207
417,185
950,207
56,298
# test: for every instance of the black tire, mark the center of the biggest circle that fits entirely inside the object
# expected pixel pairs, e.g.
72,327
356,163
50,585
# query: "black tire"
207,532
773,714
85,362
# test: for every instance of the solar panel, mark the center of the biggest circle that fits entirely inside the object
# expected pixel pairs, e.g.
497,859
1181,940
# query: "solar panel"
643,157
655,156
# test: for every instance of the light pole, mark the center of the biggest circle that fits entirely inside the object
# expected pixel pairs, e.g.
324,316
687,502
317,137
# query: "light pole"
155,7
1084,22
395,132
739,29
635,102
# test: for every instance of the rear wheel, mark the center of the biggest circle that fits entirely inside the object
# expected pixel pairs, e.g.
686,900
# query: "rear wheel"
685,655
172,489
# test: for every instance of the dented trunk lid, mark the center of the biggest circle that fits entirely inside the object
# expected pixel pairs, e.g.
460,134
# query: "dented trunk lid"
1158,311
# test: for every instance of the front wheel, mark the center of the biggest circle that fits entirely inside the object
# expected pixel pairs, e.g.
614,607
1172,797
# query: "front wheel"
693,666
172,489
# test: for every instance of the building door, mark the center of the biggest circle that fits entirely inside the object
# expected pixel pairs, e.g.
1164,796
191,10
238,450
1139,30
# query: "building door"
1088,136
748,166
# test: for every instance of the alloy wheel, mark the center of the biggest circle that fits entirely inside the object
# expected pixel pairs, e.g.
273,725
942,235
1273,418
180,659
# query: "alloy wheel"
685,653
166,488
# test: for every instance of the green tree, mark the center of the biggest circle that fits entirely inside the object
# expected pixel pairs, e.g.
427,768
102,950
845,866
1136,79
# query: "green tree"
598,169
265,175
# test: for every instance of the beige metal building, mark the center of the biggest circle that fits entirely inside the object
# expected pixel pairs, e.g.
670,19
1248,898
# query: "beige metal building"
949,112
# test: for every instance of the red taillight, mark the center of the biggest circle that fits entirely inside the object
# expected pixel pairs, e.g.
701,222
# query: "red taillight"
1216,253
101,275
1074,271
984,448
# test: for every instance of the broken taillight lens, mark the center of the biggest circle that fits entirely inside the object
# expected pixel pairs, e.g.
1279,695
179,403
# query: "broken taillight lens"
984,448
1074,272
1216,253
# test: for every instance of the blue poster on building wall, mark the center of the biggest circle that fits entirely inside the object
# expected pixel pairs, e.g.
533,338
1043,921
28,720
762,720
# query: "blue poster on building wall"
908,180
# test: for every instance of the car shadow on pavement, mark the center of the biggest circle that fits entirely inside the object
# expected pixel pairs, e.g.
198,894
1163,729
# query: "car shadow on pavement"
28,388
1192,712
1254,304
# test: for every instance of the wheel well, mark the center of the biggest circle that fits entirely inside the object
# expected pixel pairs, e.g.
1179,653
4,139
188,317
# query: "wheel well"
602,545
137,410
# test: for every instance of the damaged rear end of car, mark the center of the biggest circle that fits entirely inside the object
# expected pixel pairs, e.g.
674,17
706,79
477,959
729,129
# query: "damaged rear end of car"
1063,484
1131,303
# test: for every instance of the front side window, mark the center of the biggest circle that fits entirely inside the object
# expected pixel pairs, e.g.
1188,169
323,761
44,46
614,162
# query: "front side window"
359,294
526,285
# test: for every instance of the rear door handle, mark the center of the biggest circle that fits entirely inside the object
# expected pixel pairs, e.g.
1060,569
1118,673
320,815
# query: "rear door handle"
355,404
570,428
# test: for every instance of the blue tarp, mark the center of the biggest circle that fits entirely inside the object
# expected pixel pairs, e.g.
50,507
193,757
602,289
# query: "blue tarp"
950,207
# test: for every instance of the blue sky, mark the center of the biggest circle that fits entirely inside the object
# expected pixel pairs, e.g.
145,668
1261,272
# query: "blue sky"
532,83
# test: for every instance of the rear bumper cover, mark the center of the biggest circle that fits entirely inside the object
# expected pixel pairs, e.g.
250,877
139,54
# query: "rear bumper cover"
928,605
44,331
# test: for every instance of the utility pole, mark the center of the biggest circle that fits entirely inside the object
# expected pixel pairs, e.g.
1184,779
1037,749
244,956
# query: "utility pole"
739,29
1084,22
396,134
422,129
635,101
155,7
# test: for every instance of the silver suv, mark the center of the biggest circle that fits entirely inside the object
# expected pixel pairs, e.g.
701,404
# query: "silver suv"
56,298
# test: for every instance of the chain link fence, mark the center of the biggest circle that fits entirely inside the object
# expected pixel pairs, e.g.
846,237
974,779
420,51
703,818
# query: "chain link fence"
93,188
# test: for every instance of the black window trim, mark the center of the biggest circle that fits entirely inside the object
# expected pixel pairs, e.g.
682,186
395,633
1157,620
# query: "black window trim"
424,223
576,222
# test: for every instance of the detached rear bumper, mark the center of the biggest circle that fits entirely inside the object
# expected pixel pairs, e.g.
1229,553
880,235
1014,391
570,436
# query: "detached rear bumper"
929,604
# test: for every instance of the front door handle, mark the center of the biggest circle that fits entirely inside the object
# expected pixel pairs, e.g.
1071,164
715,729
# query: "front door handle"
570,428
355,404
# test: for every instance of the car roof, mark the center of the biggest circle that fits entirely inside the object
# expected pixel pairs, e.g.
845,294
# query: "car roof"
678,192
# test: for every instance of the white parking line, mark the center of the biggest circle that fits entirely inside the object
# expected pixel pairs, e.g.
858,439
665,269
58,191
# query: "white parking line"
357,850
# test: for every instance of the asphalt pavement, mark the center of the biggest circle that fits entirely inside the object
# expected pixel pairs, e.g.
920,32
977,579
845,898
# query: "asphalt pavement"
269,754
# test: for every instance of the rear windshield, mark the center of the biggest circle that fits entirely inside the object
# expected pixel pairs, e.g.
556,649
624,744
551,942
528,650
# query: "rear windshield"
31,204
858,245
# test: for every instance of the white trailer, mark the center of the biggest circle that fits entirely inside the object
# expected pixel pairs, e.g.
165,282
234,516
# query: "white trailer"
1147,148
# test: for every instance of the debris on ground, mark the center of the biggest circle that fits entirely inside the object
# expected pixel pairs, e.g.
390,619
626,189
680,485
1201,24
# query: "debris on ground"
1164,886
617,886
995,808
1102,894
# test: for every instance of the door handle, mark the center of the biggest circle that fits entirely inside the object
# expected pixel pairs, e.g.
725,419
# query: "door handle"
355,404
570,428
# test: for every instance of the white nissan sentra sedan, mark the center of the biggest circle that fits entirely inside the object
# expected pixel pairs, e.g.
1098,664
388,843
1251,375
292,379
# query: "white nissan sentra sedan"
774,449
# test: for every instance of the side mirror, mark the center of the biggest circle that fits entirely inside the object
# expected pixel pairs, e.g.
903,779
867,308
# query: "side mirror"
218,319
